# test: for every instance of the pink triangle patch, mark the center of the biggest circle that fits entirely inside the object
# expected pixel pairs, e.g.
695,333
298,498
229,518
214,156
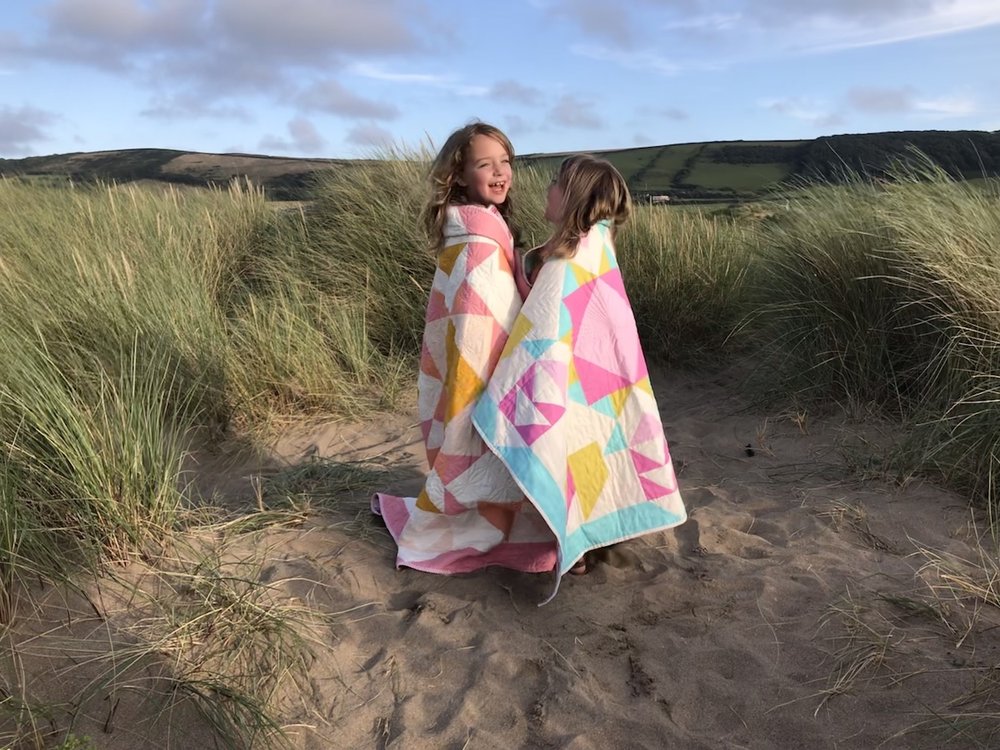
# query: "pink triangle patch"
531,432
449,467
468,302
653,490
649,428
451,505
643,463
551,412
427,365
437,308
598,382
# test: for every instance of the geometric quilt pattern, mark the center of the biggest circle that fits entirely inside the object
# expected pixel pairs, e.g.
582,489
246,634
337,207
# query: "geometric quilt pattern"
471,512
570,411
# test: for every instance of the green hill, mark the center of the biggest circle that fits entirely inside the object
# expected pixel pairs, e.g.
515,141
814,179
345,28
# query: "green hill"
714,171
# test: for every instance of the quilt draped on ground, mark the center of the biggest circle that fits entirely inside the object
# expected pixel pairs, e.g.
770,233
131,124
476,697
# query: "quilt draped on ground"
570,410
470,513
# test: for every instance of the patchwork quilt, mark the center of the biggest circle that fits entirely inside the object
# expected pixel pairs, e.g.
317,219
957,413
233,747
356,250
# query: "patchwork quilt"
470,513
570,411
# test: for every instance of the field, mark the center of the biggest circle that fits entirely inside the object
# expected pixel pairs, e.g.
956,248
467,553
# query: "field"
727,171
198,393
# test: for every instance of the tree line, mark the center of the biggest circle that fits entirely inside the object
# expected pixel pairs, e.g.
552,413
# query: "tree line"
963,153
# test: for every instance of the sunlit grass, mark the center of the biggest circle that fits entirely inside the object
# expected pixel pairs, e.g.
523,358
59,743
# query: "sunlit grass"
132,320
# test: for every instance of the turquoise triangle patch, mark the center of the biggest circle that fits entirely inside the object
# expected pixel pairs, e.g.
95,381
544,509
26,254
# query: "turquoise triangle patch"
605,406
575,392
616,442
570,284
537,347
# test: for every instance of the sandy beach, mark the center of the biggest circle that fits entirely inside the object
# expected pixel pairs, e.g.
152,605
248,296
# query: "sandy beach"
794,609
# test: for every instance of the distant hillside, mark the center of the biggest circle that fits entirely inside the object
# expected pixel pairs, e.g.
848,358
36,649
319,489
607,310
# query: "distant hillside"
281,178
714,171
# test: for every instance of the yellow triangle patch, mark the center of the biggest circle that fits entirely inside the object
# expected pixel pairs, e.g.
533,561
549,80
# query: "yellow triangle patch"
645,385
619,397
574,376
590,474
606,260
448,256
424,503
581,274
462,384
522,327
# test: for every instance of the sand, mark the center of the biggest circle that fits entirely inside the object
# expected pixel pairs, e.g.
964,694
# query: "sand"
793,609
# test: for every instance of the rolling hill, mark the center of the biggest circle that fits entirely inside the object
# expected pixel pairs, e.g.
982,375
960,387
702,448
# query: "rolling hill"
729,171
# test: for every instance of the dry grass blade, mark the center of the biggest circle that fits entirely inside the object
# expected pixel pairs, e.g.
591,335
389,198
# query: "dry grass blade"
855,517
863,647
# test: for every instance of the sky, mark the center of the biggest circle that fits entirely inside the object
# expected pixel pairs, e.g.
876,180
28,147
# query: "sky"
352,78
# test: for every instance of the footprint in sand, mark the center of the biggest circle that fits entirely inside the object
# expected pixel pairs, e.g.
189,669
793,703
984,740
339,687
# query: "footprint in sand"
688,536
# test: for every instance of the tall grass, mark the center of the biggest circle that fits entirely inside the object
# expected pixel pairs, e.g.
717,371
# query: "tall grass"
129,317
950,233
836,320
130,320
685,272
884,294
366,220
686,275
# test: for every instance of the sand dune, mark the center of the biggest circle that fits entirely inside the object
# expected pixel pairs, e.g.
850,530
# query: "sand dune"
790,611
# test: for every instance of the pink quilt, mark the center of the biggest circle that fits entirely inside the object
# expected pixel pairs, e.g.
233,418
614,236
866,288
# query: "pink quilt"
471,513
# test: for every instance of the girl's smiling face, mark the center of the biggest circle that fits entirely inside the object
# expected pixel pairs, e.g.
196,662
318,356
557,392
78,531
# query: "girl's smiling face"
487,174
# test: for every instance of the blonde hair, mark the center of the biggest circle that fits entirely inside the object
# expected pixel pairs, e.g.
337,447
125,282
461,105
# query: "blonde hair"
593,191
446,170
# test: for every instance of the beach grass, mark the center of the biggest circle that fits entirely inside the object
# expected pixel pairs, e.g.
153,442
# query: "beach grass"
881,295
137,325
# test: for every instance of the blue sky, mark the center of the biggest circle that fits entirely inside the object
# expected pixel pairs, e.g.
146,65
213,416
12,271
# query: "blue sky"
344,78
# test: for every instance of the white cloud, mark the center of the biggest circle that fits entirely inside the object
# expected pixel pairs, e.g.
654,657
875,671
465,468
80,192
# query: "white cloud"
369,135
710,22
814,112
303,138
331,96
878,100
573,112
719,34
948,106
905,100
184,105
448,83
611,22
21,128
515,91
640,60
220,50
830,26
371,71
311,30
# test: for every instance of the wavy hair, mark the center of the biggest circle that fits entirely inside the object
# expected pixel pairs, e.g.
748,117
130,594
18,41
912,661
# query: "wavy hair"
446,169
593,190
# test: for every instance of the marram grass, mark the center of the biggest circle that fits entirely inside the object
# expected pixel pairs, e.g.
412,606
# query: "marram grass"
132,319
